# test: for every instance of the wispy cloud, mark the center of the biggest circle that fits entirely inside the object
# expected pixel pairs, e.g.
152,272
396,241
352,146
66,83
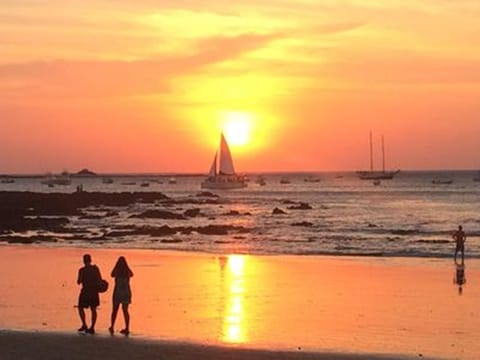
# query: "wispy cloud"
122,78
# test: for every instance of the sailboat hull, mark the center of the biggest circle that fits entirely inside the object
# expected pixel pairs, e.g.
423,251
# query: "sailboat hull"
377,175
224,183
225,178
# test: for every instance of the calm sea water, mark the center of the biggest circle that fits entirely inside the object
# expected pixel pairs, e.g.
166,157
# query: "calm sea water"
406,216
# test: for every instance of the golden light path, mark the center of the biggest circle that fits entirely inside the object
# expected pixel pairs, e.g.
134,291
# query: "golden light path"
234,316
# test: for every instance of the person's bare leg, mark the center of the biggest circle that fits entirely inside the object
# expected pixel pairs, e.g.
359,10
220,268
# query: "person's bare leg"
113,317
81,313
126,317
91,330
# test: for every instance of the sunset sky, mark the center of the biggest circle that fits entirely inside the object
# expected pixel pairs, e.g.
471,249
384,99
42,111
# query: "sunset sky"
147,85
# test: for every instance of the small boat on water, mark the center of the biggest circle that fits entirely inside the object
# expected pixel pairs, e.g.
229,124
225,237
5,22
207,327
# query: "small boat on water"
7,181
442,181
145,184
261,181
377,174
312,179
107,180
172,181
285,181
225,178
63,179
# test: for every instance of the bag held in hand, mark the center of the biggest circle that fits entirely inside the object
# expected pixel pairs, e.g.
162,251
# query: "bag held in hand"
102,286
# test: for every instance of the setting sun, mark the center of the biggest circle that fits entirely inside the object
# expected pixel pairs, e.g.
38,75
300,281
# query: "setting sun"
237,127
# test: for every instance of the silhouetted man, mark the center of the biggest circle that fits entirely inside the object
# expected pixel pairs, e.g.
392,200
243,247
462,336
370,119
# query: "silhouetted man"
459,237
89,277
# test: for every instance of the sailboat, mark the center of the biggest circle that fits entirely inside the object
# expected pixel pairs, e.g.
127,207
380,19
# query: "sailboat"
225,178
377,174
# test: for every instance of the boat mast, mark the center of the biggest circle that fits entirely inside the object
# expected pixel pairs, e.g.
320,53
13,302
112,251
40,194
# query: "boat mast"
383,155
371,152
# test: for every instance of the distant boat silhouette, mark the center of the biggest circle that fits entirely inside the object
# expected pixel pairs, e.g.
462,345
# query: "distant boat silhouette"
285,181
261,181
376,174
312,179
225,178
62,179
442,181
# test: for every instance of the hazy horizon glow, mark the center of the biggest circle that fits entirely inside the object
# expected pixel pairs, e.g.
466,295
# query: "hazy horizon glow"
145,86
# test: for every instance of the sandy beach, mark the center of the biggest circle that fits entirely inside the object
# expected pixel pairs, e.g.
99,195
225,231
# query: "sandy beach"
222,307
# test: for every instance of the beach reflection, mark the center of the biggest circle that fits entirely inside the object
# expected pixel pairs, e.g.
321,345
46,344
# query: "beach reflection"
459,277
233,284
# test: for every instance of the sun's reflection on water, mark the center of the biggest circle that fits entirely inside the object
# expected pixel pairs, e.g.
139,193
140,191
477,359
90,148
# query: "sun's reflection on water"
234,324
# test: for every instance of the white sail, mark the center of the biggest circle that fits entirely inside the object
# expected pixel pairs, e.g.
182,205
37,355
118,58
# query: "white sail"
213,168
226,162
225,178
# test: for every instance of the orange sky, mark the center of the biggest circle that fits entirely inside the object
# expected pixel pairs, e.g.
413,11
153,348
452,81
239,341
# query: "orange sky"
143,85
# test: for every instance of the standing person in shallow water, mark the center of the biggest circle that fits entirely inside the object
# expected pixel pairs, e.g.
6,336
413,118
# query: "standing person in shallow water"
89,277
459,237
122,294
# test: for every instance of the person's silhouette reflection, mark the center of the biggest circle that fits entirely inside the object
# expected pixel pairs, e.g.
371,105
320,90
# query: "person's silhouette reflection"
459,278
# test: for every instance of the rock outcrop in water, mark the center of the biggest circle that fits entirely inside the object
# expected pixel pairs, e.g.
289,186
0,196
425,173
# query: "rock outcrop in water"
22,211
25,217
159,214
278,211
300,206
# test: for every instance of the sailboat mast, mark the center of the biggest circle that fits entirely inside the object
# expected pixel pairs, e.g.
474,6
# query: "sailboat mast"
383,154
371,152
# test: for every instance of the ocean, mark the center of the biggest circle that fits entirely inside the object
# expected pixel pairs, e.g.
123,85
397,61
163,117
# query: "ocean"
408,216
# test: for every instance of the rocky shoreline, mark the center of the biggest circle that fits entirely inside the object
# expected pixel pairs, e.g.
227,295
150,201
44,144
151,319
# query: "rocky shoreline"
27,217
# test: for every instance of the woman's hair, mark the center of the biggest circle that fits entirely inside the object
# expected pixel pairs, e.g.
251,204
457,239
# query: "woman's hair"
121,268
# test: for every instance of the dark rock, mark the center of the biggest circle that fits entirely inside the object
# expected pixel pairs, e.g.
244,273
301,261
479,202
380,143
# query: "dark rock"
120,233
15,204
301,206
21,224
207,194
278,211
404,232
159,214
162,231
171,241
219,229
213,230
303,223
28,239
192,212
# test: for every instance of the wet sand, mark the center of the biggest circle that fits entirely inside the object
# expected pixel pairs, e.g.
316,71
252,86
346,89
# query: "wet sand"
43,346
284,306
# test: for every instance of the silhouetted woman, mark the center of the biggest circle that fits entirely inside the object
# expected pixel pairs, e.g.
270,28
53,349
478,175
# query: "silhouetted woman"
121,294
